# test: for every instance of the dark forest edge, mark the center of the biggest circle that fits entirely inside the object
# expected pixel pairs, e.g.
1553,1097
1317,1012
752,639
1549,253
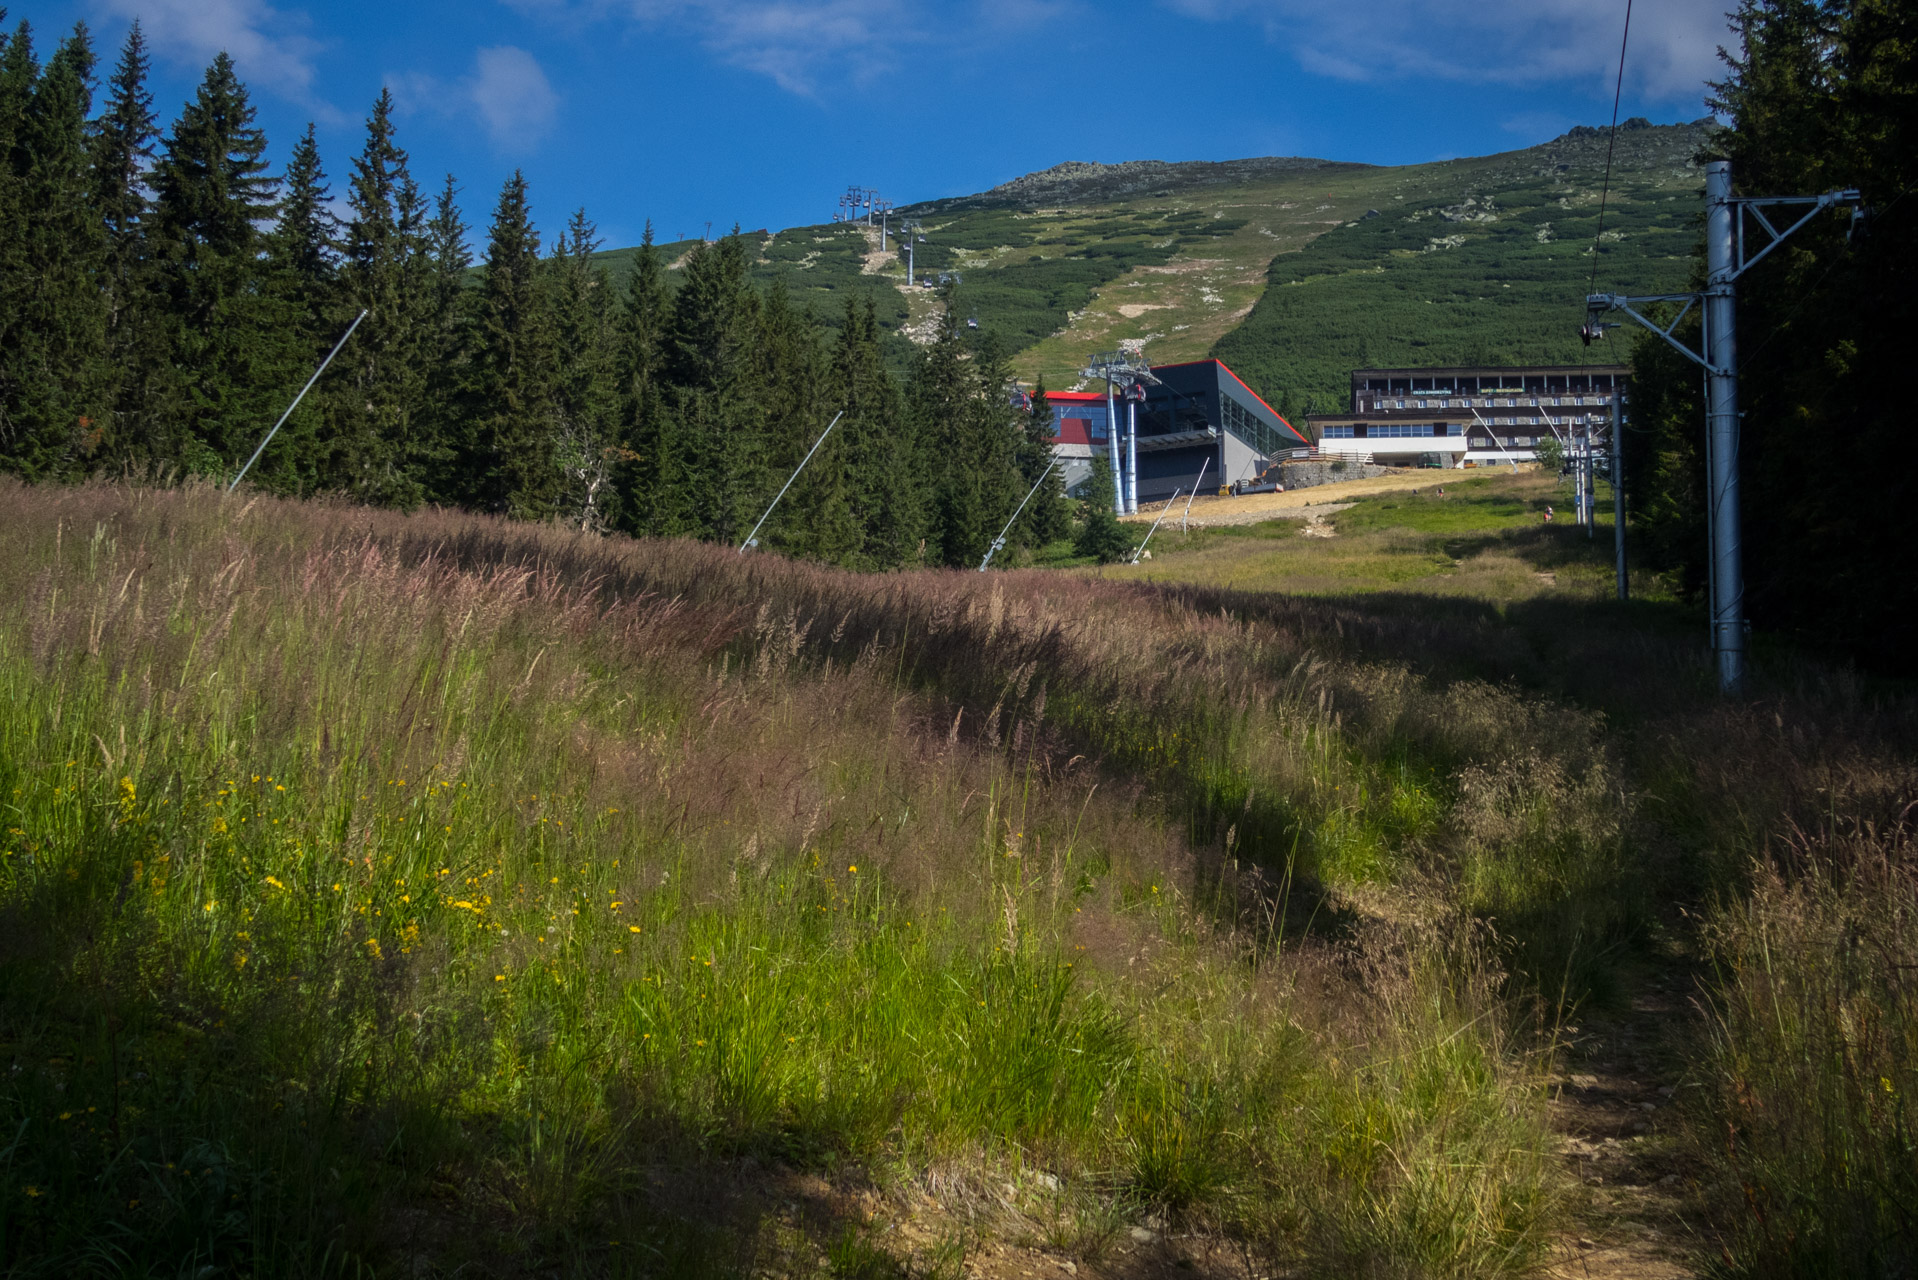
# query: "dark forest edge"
1821,98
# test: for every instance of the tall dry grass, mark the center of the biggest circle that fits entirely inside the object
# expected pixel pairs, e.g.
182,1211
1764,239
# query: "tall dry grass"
437,894
1810,1128
432,892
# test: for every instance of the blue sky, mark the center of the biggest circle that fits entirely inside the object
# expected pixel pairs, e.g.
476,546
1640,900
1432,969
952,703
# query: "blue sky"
760,112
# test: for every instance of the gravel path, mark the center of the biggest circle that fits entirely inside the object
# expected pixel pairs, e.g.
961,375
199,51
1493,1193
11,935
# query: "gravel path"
1210,510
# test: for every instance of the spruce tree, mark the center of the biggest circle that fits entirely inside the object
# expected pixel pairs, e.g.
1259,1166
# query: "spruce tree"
305,241
647,468
585,392
19,70
999,437
714,411
302,252
882,476
940,393
380,379
235,350
54,381
512,453
123,142
1101,536
1048,517
447,345
815,519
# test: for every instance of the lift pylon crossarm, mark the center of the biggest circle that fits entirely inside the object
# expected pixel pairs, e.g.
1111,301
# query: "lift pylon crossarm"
1755,207
1598,304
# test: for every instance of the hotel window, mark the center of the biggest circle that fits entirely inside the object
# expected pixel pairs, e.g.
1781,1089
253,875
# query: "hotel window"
1521,440
1336,433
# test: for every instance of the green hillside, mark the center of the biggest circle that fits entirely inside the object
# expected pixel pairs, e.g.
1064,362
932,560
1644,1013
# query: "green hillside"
1474,261
1293,270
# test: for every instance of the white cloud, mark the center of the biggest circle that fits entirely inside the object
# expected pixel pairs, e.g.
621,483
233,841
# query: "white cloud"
804,46
812,47
269,47
513,96
507,90
1674,44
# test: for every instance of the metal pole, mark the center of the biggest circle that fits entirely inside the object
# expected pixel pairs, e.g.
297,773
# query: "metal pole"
1131,454
1195,491
1112,439
1140,549
1581,457
1580,449
1000,541
296,402
754,535
1721,365
1591,487
1618,489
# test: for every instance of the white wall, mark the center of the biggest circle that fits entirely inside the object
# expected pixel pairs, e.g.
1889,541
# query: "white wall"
1241,460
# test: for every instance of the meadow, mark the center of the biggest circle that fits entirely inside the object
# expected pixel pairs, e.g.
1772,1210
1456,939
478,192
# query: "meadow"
431,894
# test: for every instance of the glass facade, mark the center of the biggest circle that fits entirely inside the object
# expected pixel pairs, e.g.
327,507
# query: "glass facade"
1251,428
1093,415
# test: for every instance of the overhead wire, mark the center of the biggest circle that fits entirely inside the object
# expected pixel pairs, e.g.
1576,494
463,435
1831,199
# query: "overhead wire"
1605,190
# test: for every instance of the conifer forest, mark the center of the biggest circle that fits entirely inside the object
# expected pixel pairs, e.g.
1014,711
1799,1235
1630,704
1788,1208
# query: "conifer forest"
164,294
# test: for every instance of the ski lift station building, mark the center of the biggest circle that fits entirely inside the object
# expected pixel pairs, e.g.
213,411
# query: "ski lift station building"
1198,417
1477,415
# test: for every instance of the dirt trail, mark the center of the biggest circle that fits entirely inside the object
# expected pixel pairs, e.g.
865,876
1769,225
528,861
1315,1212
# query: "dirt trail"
1617,1081
1211,510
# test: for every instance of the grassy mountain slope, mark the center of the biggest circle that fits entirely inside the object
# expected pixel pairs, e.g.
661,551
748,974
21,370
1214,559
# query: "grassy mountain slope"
1294,270
1474,261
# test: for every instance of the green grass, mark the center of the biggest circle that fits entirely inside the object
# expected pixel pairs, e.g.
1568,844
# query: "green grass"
428,894
421,893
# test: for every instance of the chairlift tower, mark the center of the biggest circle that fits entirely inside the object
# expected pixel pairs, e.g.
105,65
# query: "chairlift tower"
1726,259
911,233
885,211
1125,373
